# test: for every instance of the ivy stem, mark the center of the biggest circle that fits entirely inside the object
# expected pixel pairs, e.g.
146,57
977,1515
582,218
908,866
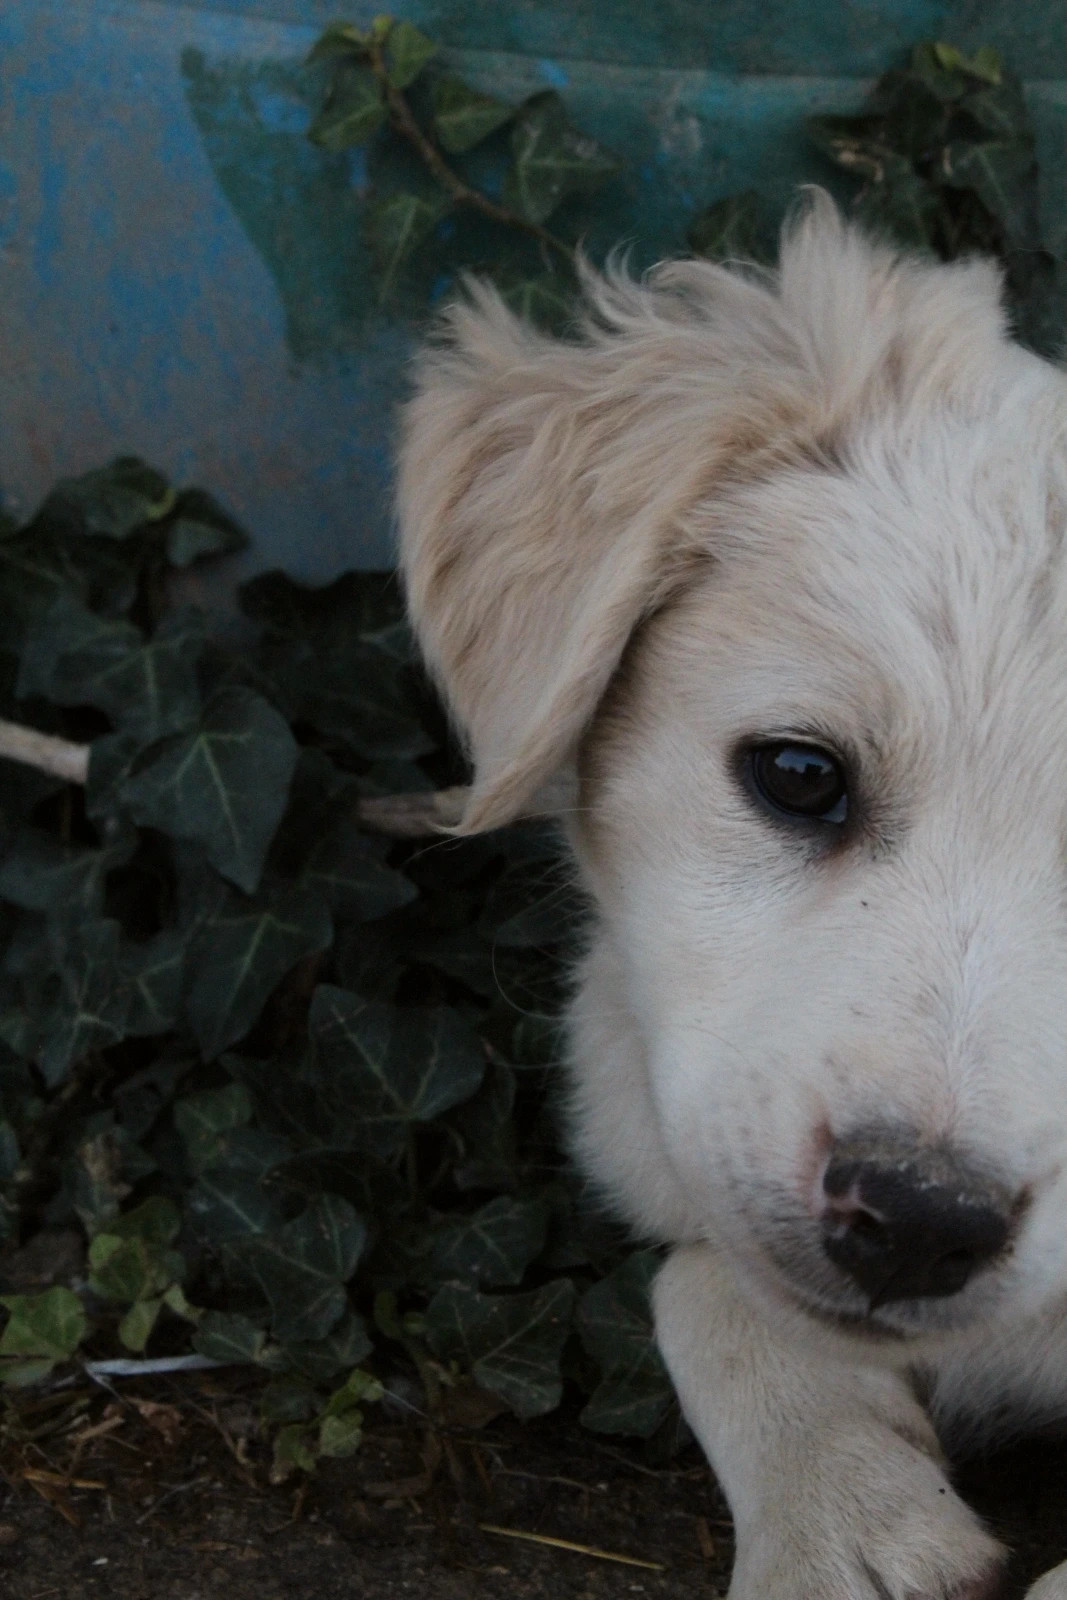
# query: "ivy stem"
463,194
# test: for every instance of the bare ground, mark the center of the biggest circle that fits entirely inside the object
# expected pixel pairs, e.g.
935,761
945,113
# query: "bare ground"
165,1495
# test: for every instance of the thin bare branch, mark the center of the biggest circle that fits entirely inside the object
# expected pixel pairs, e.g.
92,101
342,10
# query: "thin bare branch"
463,194
62,758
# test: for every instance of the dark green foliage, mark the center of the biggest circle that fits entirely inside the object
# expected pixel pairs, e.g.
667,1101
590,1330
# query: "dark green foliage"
242,948
945,156
386,84
399,1064
396,225
462,117
284,1073
512,1343
733,229
223,784
552,160
634,1395
353,110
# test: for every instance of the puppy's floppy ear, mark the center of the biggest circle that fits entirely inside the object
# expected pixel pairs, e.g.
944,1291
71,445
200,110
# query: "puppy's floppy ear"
544,487
541,489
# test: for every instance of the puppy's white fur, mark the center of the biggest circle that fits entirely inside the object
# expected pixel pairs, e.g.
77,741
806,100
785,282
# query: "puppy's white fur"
829,504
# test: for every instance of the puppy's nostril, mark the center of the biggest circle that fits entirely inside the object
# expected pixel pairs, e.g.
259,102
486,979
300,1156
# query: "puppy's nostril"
866,1226
952,1271
906,1223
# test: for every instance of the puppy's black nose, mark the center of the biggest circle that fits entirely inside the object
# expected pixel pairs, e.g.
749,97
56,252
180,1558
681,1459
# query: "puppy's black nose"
908,1223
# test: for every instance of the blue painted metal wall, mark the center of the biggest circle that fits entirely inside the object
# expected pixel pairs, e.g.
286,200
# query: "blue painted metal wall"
182,273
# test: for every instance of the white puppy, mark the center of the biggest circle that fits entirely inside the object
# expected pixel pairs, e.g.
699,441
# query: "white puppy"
777,565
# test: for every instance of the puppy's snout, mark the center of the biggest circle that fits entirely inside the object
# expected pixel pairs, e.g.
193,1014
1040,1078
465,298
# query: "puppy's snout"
909,1223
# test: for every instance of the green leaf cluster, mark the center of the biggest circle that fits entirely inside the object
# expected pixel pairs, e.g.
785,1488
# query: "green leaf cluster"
290,1079
944,156
444,151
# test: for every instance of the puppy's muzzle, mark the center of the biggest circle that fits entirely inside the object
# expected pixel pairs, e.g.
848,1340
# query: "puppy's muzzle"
907,1222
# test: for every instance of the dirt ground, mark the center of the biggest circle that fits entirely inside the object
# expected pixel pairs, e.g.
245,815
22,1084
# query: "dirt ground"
164,1495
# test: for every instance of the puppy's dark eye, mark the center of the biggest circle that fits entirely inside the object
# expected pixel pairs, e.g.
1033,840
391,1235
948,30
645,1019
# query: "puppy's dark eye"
799,780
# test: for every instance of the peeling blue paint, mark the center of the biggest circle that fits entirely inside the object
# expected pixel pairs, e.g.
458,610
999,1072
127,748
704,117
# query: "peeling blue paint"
48,242
9,217
182,274
554,75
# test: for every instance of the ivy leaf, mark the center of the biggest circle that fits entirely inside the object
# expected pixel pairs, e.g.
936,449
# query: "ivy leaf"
70,629
130,1269
338,656
229,1336
302,1267
223,785
985,64
75,657
858,144
223,1206
339,39
462,117
346,865
900,202
1001,110
289,1102
41,1330
32,573
244,947
396,226
407,51
156,1221
288,1400
86,1003
113,501
153,977
39,563
341,1424
1041,319
353,111
204,1119
294,1451
355,605
1001,173
399,1064
495,1245
40,873
199,528
942,69
137,1325
729,230
511,1344
342,1435
552,159
542,300
614,1321
359,699
344,1347
10,1152
485,1129
910,118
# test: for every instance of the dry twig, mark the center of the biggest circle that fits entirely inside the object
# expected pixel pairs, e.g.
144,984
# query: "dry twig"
571,1544
401,816
59,757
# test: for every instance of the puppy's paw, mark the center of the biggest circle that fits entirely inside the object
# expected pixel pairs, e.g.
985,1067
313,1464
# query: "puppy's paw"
866,1517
